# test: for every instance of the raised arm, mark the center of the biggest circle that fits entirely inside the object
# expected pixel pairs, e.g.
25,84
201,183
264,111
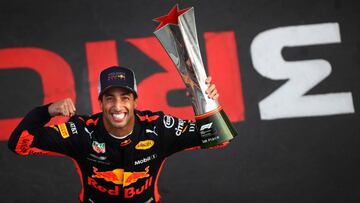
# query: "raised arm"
31,137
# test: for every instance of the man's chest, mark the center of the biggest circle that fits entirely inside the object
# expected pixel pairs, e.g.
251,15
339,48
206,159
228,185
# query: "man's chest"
122,161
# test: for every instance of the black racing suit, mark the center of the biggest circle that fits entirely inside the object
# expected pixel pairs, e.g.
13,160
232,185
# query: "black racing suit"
111,169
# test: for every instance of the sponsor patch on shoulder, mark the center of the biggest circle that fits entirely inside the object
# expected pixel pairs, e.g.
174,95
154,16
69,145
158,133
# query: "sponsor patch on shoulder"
63,130
145,144
169,121
73,128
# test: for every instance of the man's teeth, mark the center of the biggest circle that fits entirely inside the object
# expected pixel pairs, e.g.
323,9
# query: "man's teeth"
119,115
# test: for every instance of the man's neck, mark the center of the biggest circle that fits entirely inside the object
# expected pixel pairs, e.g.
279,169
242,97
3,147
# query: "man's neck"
119,132
118,137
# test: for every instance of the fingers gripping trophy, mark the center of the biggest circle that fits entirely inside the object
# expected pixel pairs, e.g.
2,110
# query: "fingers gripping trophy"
177,34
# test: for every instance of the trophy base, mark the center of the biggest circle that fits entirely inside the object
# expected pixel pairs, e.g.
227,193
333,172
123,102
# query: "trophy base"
215,128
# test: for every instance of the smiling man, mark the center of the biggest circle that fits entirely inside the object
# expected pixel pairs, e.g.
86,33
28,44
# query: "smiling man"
120,151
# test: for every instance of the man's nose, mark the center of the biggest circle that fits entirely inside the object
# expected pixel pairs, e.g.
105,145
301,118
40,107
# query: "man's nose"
118,104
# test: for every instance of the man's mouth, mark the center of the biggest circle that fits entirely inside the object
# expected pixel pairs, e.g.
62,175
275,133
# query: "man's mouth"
118,117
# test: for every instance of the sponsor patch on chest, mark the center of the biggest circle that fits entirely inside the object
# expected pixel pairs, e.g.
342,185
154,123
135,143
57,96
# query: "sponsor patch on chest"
98,147
144,145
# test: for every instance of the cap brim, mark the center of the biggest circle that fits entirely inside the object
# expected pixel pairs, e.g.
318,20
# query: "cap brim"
112,86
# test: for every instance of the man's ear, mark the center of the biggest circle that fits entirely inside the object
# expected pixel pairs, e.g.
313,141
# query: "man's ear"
135,103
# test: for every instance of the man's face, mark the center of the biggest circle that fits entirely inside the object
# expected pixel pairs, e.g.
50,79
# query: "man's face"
117,105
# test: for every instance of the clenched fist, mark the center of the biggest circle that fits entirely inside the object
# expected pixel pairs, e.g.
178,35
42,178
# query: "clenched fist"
62,108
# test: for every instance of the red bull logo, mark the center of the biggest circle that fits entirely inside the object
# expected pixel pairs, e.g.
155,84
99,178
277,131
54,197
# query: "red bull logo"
132,177
116,176
132,191
109,191
125,142
120,177
116,76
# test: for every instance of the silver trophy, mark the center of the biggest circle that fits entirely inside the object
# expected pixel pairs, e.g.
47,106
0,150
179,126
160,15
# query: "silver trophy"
177,34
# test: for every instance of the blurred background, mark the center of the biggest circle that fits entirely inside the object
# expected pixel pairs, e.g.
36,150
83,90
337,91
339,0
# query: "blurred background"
287,72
